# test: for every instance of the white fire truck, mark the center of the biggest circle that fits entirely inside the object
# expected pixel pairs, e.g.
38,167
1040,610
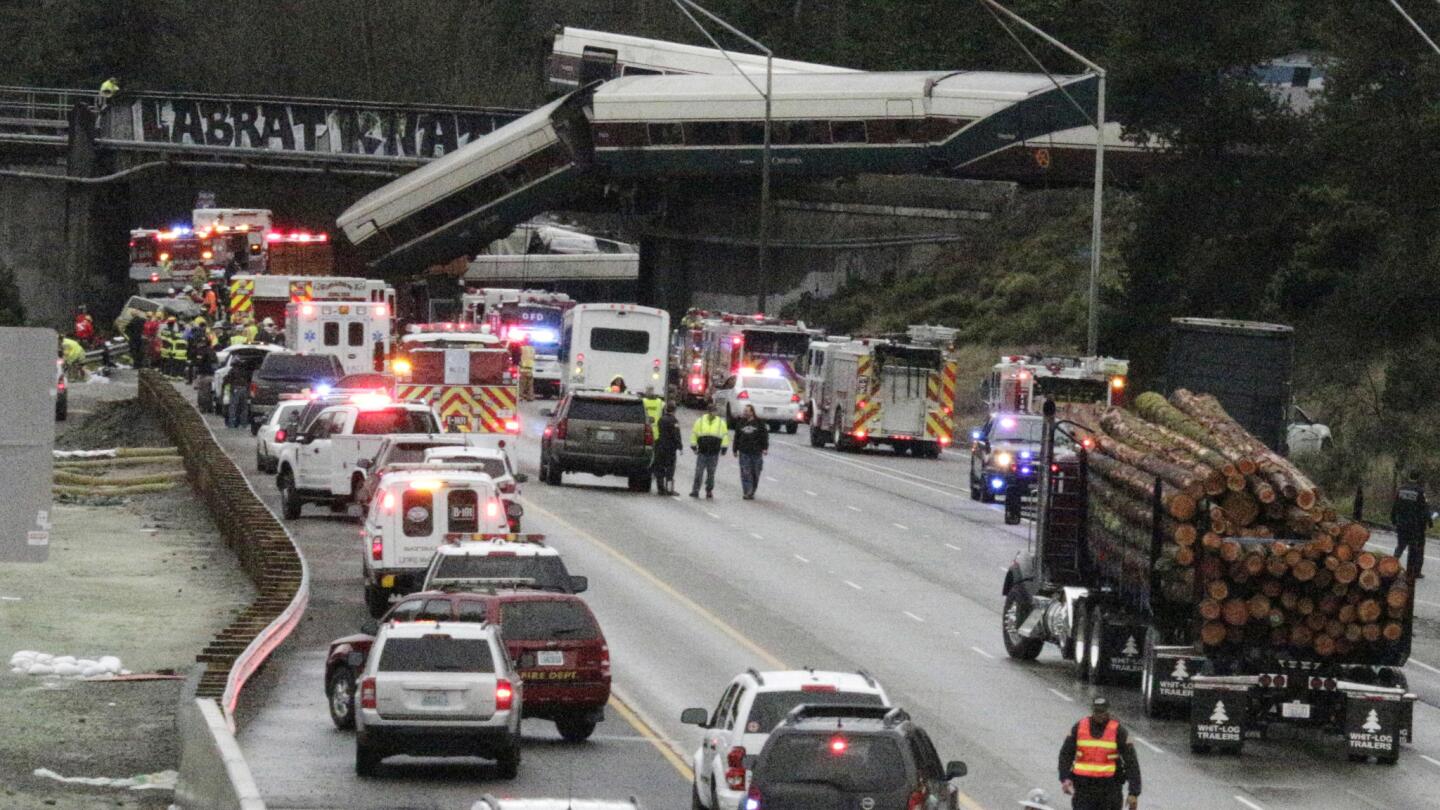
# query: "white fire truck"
865,392
469,376
1023,383
735,342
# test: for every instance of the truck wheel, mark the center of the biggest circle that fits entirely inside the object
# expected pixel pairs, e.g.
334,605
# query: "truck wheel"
1016,645
1099,660
340,694
1082,642
836,435
508,762
792,427
575,729
367,759
290,502
377,600
817,436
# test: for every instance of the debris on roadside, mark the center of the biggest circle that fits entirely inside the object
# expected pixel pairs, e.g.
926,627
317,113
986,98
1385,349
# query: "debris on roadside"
30,662
161,780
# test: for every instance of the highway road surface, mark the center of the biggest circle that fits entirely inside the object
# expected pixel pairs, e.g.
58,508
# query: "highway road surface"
845,561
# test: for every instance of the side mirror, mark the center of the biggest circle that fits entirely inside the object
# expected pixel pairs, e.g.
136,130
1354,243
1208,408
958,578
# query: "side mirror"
547,412
695,717
955,770
521,478
579,584
370,627
365,463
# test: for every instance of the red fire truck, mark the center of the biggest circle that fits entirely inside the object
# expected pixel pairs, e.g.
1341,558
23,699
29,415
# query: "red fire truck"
468,374
733,342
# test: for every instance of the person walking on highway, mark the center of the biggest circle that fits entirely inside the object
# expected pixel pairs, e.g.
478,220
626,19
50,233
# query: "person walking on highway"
654,407
238,414
1097,760
752,442
1411,515
667,444
709,439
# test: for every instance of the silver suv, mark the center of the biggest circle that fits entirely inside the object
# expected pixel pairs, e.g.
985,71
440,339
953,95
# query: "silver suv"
438,689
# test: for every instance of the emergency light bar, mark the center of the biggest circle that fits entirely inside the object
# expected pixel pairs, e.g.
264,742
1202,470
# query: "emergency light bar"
296,236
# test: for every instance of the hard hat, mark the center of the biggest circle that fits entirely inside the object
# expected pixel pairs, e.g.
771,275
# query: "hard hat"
1037,799
1100,704
198,321
189,288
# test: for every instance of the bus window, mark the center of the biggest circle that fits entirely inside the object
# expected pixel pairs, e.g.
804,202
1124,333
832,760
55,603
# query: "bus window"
708,133
625,341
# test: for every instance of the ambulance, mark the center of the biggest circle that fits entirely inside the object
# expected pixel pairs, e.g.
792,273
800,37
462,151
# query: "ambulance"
470,376
1023,383
867,392
357,333
265,296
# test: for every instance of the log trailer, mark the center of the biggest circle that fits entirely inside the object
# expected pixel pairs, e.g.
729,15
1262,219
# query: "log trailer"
1114,618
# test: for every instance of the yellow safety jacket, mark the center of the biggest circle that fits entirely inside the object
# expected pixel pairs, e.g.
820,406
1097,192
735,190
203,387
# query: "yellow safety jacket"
654,406
73,351
710,434
181,350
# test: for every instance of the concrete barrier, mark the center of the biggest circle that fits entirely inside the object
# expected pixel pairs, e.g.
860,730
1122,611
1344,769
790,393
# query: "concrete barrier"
213,773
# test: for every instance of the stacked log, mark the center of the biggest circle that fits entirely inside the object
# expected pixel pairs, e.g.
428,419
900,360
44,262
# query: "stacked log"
1247,541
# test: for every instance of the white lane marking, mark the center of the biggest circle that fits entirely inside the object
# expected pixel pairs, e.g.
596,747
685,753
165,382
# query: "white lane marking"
1424,665
712,514
953,547
772,478
1066,698
1431,760
982,652
756,536
879,471
801,559
1152,746
852,508
901,526
811,494
851,584
1248,803
913,616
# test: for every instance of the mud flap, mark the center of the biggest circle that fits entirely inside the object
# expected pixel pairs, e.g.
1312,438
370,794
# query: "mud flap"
1123,653
1372,728
1172,674
1217,719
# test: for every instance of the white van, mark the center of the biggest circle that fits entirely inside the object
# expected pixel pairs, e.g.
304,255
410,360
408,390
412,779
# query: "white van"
603,341
416,509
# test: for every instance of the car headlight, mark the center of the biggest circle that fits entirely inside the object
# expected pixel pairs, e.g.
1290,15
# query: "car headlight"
1002,459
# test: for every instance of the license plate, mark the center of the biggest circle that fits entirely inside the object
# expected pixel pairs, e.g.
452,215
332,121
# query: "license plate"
434,699
770,411
604,435
550,658
1296,710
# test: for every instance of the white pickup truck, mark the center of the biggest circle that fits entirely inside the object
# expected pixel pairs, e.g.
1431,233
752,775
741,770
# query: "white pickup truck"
320,463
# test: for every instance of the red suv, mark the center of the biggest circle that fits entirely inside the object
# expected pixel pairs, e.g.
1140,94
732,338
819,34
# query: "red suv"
553,638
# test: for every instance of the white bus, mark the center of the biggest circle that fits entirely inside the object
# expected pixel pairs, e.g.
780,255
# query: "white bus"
579,56
600,342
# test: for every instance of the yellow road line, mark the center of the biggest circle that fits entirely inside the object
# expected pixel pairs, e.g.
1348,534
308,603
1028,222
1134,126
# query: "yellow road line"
652,737
629,714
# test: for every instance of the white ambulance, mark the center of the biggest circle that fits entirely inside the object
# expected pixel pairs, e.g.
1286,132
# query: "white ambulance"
355,332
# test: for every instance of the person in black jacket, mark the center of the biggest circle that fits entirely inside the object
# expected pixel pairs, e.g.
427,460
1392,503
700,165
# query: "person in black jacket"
1411,516
752,442
667,445
1097,760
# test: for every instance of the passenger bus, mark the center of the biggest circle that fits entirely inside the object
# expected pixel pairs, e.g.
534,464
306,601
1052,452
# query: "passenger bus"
600,342
452,205
579,56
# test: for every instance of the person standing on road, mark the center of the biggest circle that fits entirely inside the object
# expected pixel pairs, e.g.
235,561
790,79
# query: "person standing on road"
1097,760
135,334
654,406
709,439
668,443
1411,515
238,415
752,442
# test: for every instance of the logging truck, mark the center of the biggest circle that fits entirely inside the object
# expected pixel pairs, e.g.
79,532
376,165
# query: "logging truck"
1141,581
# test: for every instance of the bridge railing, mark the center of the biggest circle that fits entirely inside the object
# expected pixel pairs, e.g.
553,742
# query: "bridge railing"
37,110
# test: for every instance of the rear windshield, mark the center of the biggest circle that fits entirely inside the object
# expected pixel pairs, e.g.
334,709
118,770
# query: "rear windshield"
871,764
625,341
493,467
770,708
436,653
380,423
1018,429
409,452
299,367
767,383
533,620
781,344
600,410
548,572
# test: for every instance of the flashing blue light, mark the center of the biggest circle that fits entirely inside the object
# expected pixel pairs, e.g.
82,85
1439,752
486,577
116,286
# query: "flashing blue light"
1026,470
1026,454
322,389
542,336
181,229
997,484
751,804
975,434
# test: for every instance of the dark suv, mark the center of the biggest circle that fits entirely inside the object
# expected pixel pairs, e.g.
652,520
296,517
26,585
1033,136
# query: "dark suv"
843,757
289,374
601,433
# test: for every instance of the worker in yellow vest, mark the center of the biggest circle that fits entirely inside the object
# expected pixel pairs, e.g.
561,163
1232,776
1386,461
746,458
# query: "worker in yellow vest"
654,407
527,371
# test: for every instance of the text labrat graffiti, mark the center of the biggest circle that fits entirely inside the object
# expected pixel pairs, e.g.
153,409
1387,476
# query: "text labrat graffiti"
310,127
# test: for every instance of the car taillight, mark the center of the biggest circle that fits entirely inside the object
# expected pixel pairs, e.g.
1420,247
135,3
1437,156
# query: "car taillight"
743,395
917,800
367,693
254,389
280,435
561,428
735,757
649,436
860,434
549,431
377,547
794,397
508,487
504,695
752,799
735,768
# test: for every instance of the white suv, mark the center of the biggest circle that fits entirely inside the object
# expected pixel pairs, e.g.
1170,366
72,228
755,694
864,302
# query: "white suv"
517,560
438,689
749,709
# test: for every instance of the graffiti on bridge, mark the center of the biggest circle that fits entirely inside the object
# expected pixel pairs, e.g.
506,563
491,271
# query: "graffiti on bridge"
318,128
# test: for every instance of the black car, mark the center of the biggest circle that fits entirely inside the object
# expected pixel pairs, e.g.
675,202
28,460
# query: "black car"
1004,451
843,757
289,374
600,433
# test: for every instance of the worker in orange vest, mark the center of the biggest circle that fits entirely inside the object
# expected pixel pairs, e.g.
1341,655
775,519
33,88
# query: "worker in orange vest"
211,301
1097,760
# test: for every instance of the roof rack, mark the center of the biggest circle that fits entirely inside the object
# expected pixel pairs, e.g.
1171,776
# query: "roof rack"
755,673
482,583
854,711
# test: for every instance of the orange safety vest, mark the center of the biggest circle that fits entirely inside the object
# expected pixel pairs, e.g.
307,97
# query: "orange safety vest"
1096,757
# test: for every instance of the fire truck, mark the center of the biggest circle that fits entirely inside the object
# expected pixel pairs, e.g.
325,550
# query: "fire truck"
864,392
687,356
734,342
536,317
235,232
160,260
466,373
1023,383
263,296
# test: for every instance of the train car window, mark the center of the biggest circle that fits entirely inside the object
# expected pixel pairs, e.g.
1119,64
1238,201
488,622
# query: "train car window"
631,70
752,133
708,133
665,134
847,131
799,133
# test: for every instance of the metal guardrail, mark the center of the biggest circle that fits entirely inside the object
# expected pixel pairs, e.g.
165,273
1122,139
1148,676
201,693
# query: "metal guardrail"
38,110
267,552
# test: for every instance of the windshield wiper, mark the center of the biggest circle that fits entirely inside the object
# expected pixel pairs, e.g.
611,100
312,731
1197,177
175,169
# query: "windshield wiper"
565,631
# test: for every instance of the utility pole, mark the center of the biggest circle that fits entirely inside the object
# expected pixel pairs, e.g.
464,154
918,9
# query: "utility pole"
762,265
